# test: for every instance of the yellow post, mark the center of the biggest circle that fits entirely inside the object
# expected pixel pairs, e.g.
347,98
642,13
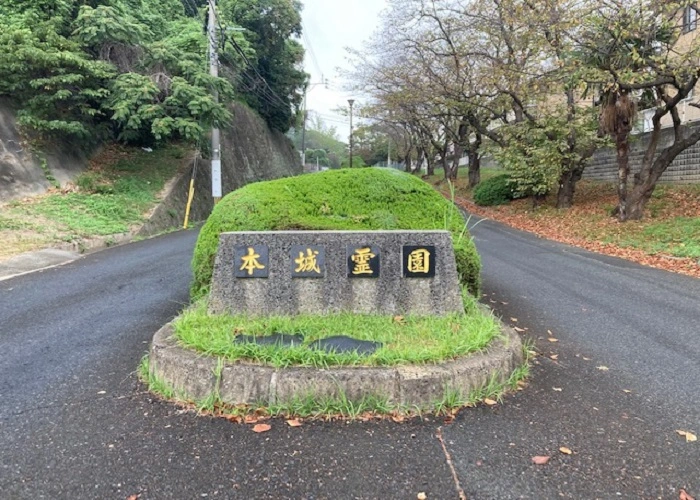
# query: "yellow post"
189,203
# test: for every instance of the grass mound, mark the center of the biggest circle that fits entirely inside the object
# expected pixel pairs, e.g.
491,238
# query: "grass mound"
351,199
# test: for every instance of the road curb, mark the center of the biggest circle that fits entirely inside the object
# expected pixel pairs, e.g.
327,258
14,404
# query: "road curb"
194,376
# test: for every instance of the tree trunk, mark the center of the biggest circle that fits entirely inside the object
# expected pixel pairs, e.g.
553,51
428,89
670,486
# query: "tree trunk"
538,200
407,162
431,165
445,161
454,168
623,171
637,201
419,161
567,186
474,169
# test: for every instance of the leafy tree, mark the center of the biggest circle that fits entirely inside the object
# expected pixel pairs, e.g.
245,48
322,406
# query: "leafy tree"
138,69
273,86
638,50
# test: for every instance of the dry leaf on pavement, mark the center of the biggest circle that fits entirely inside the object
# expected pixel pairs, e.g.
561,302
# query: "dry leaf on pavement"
262,428
540,460
294,422
518,329
136,497
422,496
554,357
603,368
490,402
558,389
689,436
565,450
514,320
552,339
684,495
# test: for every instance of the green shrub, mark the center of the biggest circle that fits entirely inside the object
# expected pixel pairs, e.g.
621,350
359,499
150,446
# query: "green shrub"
349,199
494,191
94,183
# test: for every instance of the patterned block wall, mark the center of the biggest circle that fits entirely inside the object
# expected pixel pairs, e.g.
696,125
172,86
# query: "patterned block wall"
684,169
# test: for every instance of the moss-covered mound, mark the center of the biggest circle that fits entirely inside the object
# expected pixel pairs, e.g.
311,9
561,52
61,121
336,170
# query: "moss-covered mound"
350,199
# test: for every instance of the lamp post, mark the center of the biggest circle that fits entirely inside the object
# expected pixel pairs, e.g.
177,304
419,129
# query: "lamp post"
351,102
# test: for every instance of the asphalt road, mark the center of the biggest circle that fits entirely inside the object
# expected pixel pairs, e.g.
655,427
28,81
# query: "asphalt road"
76,423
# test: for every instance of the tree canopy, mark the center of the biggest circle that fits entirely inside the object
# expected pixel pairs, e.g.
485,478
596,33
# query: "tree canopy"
137,70
533,83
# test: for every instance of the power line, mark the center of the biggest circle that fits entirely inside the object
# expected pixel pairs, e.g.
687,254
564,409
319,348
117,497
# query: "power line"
267,93
309,46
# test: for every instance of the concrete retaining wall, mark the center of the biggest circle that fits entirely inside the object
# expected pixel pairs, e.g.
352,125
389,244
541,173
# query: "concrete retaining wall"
23,172
250,152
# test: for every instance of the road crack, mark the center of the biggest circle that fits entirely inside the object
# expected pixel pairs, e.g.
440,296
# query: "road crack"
448,458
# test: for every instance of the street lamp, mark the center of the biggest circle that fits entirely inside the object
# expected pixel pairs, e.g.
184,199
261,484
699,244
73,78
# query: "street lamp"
351,102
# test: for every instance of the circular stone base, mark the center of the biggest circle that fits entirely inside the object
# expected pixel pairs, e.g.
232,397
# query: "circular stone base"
194,376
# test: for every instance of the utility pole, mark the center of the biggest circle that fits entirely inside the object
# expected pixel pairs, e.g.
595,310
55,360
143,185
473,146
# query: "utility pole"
303,133
351,102
215,133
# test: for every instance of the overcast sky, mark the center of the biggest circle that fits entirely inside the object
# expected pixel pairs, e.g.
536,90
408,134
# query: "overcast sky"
330,26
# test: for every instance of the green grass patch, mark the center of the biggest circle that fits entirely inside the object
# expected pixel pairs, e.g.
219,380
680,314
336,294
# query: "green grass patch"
406,340
679,237
111,199
350,199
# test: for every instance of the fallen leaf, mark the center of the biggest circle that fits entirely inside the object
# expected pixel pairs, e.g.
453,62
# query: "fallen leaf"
540,460
586,359
551,339
689,436
550,333
421,496
565,450
554,357
603,368
514,320
490,402
250,419
397,419
400,320
136,497
627,391
519,330
504,303
261,428
684,495
294,423
558,389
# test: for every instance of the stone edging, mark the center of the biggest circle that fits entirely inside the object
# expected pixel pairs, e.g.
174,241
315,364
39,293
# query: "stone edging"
194,375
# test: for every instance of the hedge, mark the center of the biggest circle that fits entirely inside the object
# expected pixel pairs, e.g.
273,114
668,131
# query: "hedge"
497,190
